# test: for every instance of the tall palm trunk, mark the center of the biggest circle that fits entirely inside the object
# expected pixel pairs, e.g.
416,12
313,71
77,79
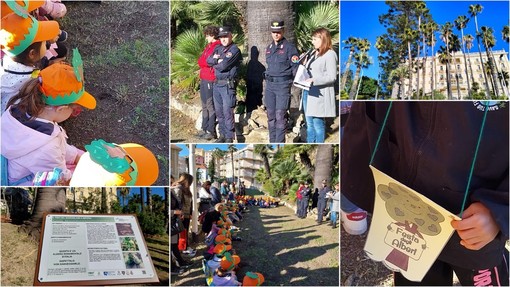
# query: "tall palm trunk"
471,68
465,62
424,61
354,86
433,69
347,65
487,90
149,198
410,91
495,72
104,205
48,200
166,189
141,200
323,164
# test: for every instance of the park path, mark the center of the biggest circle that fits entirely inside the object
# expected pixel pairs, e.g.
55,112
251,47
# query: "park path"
287,250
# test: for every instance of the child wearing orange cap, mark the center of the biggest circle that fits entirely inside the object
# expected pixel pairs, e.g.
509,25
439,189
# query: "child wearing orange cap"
23,39
253,279
225,274
32,139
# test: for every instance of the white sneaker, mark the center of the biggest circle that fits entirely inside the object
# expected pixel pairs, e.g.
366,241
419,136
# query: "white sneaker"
355,223
189,251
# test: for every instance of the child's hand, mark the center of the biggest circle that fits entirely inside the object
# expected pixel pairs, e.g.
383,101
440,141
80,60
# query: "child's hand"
477,227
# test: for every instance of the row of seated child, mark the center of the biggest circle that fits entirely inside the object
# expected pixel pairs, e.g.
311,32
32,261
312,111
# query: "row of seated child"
220,263
262,201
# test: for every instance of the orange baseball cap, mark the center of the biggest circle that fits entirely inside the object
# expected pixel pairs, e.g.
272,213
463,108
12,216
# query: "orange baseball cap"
9,6
108,164
253,279
229,262
20,31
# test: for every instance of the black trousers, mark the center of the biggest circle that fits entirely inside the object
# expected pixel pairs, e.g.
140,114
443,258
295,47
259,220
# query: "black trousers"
441,274
208,113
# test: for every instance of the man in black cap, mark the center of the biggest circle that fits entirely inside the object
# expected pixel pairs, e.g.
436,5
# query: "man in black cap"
282,62
321,202
225,61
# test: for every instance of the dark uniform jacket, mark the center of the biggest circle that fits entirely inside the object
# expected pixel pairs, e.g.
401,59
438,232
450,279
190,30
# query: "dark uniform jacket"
429,147
231,56
282,59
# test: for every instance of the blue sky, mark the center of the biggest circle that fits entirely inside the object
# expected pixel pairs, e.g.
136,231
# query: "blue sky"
155,190
361,19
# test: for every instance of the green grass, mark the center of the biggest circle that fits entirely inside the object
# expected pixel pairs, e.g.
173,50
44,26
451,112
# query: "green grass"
159,251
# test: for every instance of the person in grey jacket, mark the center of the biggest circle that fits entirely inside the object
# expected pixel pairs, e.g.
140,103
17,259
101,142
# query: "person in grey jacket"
319,101
321,203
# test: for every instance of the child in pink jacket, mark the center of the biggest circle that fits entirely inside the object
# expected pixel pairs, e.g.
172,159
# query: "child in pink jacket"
32,139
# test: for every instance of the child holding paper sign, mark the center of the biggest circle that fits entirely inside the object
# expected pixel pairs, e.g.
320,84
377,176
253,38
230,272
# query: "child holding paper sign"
431,147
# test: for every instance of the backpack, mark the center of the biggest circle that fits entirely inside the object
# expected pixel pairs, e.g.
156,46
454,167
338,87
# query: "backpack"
4,180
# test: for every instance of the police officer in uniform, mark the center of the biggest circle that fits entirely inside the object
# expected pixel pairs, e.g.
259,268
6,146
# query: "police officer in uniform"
282,62
225,61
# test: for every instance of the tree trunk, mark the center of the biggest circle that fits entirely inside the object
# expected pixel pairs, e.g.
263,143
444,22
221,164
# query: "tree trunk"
304,158
267,167
465,62
149,198
233,171
354,87
104,205
487,90
323,164
347,65
494,71
410,91
141,200
48,200
167,214
259,17
433,70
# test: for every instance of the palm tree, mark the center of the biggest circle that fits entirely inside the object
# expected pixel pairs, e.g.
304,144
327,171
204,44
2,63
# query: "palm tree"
468,40
409,36
263,150
232,148
141,200
379,45
473,11
397,76
104,204
420,10
461,23
432,28
455,47
167,190
446,32
124,192
444,58
284,172
149,198
310,16
489,41
48,199
505,33
351,44
362,61
323,170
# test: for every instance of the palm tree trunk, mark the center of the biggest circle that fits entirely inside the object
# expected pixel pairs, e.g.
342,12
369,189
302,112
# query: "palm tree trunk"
48,200
471,70
465,62
424,66
487,91
267,167
347,65
167,226
104,206
324,164
142,208
433,70
410,91
233,174
149,198
495,71
354,86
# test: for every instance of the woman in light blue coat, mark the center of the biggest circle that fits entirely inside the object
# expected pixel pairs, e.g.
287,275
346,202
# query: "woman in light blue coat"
319,101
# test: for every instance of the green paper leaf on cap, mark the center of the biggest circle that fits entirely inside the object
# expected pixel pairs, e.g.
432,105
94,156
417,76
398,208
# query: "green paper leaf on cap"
17,8
252,275
77,65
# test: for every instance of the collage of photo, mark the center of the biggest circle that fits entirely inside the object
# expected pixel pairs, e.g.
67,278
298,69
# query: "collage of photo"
254,143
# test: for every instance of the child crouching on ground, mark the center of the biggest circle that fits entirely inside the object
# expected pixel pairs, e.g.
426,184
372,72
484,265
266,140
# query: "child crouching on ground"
32,140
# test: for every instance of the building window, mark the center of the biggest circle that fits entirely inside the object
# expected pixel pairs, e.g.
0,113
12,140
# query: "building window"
458,67
480,76
441,77
441,68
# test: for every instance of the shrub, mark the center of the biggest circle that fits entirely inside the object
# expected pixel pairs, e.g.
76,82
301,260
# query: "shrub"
152,223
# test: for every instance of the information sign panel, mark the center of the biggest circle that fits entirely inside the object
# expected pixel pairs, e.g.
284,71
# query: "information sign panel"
91,249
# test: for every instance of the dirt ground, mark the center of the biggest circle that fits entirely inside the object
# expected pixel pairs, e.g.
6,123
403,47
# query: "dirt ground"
124,47
285,249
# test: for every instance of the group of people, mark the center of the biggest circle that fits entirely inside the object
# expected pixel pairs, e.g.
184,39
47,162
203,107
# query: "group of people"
323,195
220,262
39,90
219,65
